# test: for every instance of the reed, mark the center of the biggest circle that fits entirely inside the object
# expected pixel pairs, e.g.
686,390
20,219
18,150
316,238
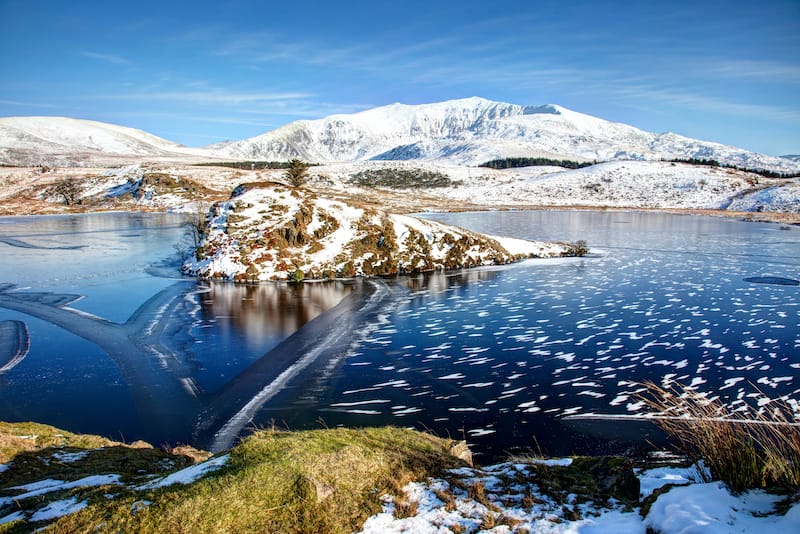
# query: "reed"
746,449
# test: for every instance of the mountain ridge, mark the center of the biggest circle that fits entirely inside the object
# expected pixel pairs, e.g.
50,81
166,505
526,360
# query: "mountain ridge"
466,131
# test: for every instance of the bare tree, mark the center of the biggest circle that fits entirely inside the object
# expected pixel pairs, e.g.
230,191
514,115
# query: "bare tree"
68,190
196,224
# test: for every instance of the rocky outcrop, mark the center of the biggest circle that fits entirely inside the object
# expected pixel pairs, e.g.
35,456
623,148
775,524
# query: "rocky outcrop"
267,231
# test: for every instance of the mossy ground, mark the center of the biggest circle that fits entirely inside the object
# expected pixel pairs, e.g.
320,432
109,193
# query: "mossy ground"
17,438
313,481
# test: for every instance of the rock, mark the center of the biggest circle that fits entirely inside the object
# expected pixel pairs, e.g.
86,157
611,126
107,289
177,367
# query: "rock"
196,455
461,451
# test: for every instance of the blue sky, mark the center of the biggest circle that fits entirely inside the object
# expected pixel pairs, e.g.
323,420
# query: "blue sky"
201,72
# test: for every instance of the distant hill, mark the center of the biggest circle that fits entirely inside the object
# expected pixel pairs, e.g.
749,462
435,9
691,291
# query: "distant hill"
62,140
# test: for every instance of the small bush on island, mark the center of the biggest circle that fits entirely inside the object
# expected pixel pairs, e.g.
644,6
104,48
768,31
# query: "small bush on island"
744,449
395,178
577,249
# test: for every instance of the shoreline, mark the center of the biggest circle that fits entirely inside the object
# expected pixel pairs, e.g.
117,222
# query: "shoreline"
435,207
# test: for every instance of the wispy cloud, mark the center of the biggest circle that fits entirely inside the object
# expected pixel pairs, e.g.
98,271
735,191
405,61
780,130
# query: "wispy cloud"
190,117
771,71
212,97
241,107
26,104
108,58
707,103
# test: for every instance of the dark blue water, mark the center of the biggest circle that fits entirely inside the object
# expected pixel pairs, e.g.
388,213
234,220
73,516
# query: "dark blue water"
118,342
504,357
508,357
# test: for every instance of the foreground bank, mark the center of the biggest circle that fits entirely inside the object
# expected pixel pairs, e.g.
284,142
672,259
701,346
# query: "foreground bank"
342,480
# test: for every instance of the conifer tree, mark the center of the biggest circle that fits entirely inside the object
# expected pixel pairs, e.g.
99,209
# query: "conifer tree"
297,173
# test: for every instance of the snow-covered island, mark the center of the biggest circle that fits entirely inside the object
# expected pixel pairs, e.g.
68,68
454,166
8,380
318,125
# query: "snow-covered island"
269,232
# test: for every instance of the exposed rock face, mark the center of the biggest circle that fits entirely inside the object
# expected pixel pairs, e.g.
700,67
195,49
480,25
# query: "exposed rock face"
268,231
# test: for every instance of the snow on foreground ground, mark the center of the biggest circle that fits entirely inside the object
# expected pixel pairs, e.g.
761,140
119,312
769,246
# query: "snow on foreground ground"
273,232
505,498
71,505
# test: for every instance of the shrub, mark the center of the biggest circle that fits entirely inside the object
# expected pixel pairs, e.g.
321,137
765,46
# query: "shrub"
297,276
68,190
511,163
401,178
744,449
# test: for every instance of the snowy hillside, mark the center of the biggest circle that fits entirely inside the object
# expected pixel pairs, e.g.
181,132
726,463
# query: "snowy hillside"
469,131
270,232
634,184
619,184
41,140
474,130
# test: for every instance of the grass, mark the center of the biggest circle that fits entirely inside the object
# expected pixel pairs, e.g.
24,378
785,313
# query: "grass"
745,450
587,478
313,481
16,438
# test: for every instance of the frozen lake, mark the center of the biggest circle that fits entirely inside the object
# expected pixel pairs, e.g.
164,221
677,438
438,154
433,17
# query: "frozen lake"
499,356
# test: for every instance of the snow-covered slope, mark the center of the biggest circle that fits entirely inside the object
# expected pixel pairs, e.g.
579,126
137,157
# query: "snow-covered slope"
632,184
473,130
39,140
272,232
468,131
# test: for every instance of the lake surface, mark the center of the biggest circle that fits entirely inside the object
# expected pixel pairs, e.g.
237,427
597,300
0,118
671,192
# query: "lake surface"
504,357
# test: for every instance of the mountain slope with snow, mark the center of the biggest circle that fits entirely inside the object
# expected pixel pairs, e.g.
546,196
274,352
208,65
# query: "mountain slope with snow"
474,130
468,131
42,140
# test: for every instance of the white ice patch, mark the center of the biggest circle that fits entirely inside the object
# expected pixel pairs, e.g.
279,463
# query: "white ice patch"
652,479
68,457
188,475
34,489
711,509
453,376
58,509
562,462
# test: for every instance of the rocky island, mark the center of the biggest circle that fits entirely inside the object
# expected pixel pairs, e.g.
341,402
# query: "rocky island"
268,231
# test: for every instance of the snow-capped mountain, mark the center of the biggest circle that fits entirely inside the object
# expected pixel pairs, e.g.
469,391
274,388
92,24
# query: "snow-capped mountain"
474,130
469,131
37,140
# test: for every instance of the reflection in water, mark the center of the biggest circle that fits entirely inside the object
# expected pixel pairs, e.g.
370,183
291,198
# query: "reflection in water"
266,312
156,361
114,341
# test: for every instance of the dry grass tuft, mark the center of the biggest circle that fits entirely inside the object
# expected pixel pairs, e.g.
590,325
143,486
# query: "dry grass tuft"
744,449
404,509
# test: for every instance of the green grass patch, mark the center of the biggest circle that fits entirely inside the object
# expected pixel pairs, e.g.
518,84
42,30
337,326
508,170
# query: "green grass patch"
16,438
312,481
